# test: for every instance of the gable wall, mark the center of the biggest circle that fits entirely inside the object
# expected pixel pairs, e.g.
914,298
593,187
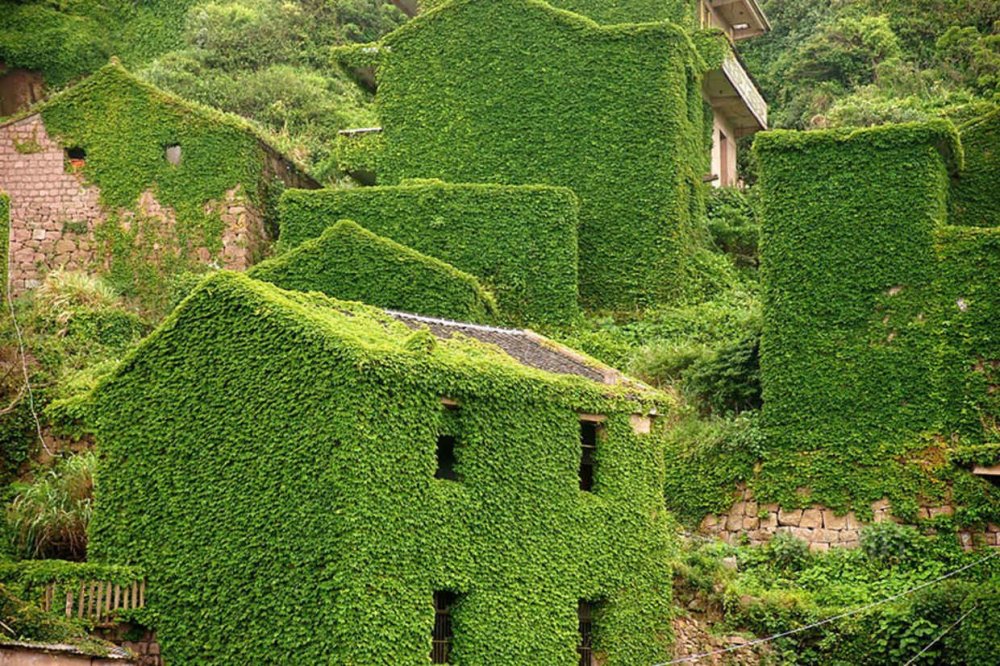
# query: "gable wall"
54,213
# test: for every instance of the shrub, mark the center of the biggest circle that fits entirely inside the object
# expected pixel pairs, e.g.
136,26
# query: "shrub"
888,542
734,224
788,551
50,516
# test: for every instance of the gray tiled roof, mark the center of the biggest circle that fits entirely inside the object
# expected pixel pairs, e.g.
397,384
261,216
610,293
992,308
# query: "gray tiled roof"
526,347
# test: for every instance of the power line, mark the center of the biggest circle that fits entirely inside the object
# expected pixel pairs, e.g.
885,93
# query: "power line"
856,611
940,636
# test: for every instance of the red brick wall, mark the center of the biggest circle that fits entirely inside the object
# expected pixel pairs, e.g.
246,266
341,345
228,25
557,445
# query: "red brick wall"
43,199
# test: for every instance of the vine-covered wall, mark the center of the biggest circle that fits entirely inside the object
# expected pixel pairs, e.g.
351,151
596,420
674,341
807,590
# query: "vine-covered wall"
519,92
850,347
269,456
975,195
682,12
118,176
519,241
968,278
351,263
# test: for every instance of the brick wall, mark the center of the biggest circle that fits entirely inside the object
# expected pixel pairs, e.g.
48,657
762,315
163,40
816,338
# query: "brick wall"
53,212
821,527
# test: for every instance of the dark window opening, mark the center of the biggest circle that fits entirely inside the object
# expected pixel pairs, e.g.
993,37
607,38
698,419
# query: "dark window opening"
446,458
586,646
172,154
76,157
442,636
589,434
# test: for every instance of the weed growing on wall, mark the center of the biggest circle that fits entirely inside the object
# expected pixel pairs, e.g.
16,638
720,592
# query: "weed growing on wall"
975,195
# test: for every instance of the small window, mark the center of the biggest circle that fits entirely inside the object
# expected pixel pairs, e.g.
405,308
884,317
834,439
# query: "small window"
76,157
590,430
172,154
442,636
446,458
585,612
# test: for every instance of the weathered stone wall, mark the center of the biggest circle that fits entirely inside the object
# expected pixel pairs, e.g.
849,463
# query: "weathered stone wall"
54,212
146,650
821,527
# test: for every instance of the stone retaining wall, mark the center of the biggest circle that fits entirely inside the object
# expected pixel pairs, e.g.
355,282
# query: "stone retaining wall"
819,526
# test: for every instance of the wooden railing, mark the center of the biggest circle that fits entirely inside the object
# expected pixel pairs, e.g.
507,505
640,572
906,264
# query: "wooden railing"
97,601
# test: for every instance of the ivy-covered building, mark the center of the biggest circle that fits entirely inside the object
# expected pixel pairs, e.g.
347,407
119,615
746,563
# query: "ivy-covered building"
879,352
618,110
420,490
117,176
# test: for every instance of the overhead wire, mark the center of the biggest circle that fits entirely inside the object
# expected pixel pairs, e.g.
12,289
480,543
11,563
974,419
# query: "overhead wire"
820,623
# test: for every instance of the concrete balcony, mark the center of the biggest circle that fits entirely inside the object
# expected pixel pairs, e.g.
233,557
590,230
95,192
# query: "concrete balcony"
733,95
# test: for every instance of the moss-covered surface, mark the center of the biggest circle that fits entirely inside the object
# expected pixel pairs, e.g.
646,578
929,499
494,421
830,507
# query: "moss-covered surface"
351,263
975,195
519,92
521,242
269,459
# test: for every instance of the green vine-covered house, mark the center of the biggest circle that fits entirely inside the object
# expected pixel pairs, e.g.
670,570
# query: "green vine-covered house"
117,176
307,481
620,102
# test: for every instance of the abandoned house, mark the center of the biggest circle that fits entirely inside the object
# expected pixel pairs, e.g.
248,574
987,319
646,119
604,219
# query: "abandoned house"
426,490
526,92
115,167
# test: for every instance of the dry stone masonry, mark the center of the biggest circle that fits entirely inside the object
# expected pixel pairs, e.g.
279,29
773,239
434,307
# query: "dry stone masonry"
819,526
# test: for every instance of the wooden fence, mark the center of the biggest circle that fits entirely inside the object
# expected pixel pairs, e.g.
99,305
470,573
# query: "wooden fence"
96,601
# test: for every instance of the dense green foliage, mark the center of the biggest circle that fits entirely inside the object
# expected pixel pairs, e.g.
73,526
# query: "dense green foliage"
975,196
870,61
681,12
70,39
124,126
968,269
858,347
350,263
220,437
520,93
782,587
521,242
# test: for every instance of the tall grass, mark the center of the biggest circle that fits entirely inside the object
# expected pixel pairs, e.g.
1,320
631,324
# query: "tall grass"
49,518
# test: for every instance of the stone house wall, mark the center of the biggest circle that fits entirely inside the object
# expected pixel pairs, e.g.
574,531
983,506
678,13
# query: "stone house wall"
819,526
53,212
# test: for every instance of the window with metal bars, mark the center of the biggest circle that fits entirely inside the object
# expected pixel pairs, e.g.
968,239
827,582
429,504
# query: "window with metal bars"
586,647
589,434
442,636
